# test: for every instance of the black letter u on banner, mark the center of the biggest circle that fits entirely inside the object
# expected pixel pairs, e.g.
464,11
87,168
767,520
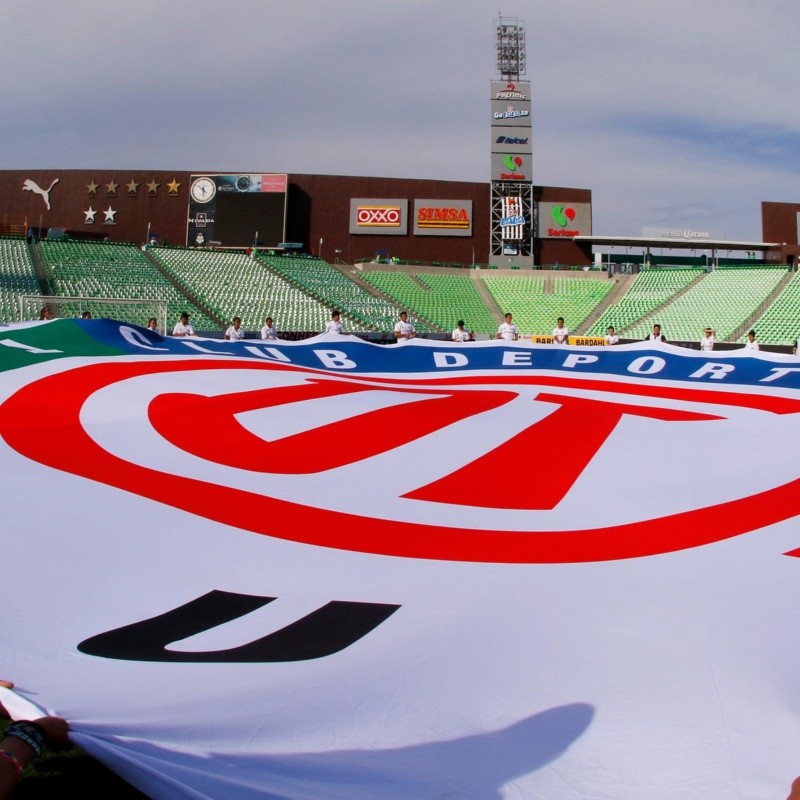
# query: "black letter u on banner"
327,630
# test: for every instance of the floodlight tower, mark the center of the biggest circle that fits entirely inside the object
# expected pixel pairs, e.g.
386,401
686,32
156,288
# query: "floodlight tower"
511,223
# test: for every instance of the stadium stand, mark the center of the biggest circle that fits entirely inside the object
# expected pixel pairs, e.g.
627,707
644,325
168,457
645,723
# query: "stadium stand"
780,323
441,298
724,299
331,287
16,276
536,302
299,293
651,289
232,283
122,271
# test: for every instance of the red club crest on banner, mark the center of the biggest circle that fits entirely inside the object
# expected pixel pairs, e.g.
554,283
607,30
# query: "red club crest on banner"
44,422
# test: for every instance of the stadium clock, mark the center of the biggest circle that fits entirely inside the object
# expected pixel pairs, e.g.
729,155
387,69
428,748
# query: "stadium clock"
203,190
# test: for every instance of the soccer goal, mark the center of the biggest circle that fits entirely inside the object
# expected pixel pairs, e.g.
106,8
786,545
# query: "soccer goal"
136,312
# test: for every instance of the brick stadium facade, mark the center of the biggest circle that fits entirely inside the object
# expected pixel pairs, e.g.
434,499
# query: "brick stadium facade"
122,205
780,222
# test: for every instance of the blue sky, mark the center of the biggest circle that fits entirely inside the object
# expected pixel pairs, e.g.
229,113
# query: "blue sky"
677,114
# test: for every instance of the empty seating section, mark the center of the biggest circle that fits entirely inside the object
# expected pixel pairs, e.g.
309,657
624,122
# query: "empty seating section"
119,271
16,277
232,284
408,295
724,299
652,288
442,299
516,295
780,323
465,302
299,293
335,290
536,310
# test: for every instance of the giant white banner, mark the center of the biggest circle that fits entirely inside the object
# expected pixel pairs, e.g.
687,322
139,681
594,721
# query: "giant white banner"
330,569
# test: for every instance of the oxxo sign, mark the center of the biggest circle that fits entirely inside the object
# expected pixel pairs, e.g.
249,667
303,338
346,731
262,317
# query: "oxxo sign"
379,216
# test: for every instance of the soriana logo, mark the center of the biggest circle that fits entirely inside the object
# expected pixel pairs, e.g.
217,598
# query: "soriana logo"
378,216
505,468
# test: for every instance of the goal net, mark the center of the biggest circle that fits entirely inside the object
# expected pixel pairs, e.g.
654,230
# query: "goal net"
136,312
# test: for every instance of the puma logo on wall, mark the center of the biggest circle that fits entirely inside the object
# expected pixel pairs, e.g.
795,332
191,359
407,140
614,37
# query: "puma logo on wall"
32,186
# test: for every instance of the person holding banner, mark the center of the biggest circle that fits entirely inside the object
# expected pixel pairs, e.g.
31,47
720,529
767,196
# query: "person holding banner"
709,340
235,333
560,332
335,324
404,330
508,330
25,740
751,343
183,327
460,334
656,336
268,331
611,337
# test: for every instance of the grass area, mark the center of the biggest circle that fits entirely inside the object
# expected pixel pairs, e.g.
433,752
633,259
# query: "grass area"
72,772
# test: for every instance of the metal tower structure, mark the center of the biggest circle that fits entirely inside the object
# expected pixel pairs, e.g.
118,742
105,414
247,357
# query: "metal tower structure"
510,47
512,208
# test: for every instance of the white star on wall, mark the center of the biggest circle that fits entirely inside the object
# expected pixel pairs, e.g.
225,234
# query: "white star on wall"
89,216
109,212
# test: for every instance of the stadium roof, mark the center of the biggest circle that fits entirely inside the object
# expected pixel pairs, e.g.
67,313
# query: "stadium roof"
682,244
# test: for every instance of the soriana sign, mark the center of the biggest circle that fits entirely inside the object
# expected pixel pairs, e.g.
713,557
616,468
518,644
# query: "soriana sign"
442,217
563,220
379,216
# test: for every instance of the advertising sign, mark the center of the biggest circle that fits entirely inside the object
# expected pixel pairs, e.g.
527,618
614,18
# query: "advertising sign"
515,112
511,92
512,223
511,167
375,215
442,217
251,183
508,139
687,233
206,191
564,220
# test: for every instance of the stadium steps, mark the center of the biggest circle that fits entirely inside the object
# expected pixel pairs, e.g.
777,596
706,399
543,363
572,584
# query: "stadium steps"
351,273
416,279
759,312
404,303
16,276
657,310
488,299
184,290
348,320
723,299
621,286
40,269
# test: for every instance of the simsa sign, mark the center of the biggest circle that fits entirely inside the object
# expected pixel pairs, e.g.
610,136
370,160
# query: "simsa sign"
442,217
564,220
379,216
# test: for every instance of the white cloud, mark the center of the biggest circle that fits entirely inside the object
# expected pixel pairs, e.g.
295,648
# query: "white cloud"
658,108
